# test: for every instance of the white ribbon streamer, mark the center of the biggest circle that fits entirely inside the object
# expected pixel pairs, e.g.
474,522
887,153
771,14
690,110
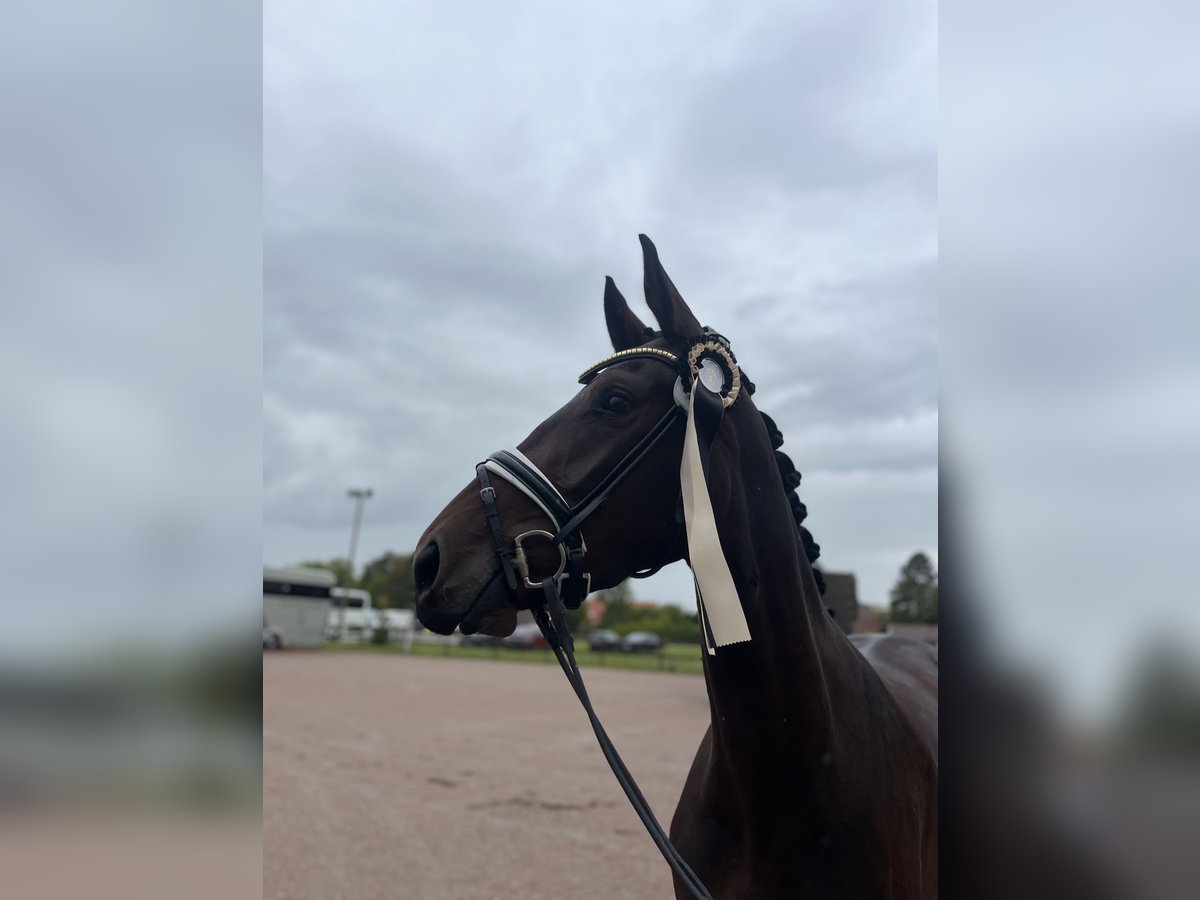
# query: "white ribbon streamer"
715,590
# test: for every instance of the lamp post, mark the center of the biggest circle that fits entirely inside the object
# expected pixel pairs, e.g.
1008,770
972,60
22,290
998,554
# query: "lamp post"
360,496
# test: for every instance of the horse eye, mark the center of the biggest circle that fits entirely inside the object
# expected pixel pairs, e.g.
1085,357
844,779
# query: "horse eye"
616,403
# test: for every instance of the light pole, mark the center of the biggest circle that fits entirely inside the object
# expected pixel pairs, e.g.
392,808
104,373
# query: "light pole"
360,496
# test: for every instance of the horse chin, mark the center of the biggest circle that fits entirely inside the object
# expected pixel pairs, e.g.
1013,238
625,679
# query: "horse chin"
491,613
499,622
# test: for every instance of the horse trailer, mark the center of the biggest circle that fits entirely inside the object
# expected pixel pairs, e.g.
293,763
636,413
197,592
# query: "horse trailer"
295,604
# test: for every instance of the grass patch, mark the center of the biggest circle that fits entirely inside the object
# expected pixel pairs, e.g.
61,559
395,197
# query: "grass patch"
683,658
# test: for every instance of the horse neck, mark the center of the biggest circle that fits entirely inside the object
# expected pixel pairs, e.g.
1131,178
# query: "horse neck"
776,694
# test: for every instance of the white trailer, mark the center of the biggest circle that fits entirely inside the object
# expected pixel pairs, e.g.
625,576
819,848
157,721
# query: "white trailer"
351,617
400,624
295,605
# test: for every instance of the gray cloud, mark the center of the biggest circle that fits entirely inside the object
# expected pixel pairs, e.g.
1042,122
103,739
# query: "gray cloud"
444,190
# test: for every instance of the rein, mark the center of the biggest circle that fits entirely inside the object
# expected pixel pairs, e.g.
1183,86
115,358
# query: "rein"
709,364
552,621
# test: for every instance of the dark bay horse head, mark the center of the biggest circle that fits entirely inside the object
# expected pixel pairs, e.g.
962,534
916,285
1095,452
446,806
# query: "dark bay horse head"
817,776
459,577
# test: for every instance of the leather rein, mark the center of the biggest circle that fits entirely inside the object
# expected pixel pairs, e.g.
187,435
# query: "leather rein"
569,586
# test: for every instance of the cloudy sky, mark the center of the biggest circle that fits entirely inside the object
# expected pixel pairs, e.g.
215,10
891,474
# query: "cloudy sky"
447,184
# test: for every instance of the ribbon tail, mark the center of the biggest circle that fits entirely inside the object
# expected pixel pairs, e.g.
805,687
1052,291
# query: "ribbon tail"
720,606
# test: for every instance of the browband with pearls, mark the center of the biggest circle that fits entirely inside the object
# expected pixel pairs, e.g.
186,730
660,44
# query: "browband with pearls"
662,356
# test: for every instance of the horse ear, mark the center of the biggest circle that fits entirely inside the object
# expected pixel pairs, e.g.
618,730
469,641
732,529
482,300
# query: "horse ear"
674,318
624,327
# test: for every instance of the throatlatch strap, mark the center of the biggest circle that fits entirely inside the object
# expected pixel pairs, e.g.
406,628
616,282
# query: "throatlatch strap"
553,624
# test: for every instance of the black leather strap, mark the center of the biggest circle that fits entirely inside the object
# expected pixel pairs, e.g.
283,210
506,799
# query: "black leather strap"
707,410
553,624
488,495
575,584
598,494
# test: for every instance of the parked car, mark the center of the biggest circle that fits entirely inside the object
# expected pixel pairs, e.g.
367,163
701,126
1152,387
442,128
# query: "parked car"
526,637
641,642
604,639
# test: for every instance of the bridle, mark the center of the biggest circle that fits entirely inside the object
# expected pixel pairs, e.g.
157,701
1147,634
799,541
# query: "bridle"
518,470
709,363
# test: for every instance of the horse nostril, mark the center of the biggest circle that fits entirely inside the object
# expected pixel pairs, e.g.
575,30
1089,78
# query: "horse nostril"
425,566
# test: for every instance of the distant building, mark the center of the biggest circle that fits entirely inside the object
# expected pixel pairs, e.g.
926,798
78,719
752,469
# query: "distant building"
869,621
594,609
841,598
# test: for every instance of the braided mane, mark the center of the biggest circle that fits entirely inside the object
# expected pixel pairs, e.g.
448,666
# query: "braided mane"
790,477
791,481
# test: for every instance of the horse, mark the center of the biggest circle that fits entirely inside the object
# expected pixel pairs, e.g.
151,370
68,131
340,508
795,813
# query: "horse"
818,774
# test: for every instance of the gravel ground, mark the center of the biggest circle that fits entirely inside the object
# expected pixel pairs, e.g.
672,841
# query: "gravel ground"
439,779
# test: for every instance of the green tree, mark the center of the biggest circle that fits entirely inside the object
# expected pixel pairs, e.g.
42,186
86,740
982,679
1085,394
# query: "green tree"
389,581
915,594
339,567
619,608
577,620
622,593
669,622
1161,710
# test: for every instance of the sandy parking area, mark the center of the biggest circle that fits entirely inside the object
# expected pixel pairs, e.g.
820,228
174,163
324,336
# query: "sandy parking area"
389,776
